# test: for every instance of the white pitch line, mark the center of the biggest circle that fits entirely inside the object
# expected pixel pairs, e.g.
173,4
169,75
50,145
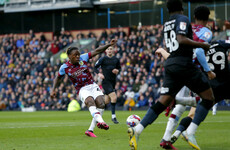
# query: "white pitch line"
67,124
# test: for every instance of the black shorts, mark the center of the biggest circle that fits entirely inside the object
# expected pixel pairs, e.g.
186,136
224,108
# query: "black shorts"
176,76
108,87
220,89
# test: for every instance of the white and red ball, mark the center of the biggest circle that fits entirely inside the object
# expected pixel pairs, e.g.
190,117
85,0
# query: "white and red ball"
133,120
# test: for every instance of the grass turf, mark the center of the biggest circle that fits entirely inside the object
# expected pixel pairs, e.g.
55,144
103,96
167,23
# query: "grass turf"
58,130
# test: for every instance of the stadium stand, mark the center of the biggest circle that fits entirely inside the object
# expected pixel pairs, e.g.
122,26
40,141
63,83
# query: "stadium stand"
27,73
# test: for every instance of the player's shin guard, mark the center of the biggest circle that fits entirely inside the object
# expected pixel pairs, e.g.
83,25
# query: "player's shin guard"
152,114
200,114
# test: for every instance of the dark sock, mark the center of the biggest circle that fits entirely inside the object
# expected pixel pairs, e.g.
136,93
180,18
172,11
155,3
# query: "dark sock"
184,123
113,105
202,111
152,114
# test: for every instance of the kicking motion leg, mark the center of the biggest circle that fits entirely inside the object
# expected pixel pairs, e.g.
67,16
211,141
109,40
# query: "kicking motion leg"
148,119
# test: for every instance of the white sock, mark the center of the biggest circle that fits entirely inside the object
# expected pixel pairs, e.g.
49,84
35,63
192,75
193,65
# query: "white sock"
192,128
139,128
190,101
214,109
101,111
113,116
94,122
177,133
92,125
96,114
172,123
173,120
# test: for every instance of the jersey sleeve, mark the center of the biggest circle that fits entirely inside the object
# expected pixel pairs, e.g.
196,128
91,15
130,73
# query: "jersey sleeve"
86,56
205,35
182,26
98,64
202,59
61,71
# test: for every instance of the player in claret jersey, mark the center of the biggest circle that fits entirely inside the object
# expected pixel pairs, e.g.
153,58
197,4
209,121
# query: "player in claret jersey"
89,92
179,71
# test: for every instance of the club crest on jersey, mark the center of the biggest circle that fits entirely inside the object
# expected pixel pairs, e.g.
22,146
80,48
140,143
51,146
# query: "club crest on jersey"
207,35
81,63
183,25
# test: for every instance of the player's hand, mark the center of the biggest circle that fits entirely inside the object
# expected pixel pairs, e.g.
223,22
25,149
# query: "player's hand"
113,42
158,51
211,75
115,71
53,94
101,76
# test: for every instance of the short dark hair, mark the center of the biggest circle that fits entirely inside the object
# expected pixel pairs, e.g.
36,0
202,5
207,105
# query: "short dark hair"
202,12
174,5
70,49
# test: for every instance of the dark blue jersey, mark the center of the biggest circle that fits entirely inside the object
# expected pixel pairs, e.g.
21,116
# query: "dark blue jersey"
178,24
107,64
217,58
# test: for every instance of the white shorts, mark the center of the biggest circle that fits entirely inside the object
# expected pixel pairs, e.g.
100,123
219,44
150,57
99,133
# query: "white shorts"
92,90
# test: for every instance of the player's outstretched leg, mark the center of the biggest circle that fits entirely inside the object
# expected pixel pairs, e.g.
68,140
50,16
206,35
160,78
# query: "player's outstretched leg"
148,119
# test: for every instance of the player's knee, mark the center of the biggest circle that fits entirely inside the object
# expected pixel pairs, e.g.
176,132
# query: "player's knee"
89,102
100,102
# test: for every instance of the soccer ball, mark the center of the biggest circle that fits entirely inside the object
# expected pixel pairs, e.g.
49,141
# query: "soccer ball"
133,120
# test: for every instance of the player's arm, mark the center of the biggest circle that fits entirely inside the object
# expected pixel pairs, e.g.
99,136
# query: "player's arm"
57,80
163,52
202,60
56,83
183,40
103,48
97,66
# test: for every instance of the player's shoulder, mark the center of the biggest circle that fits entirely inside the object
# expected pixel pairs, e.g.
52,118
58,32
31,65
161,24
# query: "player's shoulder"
65,65
181,17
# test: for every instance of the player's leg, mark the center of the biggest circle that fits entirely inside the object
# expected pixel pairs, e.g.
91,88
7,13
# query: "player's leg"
171,86
100,103
173,120
148,119
113,98
199,84
214,109
184,123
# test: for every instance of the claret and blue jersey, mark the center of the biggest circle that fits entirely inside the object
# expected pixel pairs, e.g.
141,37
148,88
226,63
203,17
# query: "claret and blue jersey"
78,74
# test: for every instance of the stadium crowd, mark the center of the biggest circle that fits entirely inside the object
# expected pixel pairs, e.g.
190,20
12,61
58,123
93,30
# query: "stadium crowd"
27,74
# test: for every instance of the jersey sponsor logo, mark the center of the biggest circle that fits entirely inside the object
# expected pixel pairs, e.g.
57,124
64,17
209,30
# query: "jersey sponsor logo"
78,72
183,25
164,90
81,63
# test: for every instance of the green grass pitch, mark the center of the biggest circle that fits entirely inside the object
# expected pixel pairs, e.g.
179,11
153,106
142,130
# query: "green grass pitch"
58,130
